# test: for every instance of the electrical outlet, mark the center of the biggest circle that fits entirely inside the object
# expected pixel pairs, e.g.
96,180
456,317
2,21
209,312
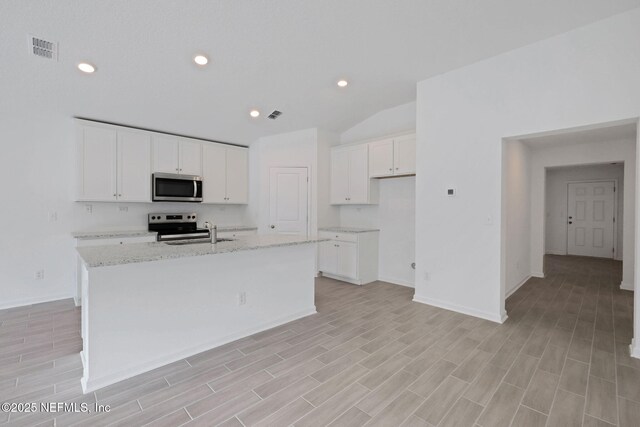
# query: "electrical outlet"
242,298
88,209
53,216
123,208
39,275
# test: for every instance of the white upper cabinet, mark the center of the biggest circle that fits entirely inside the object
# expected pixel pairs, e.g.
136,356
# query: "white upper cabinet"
114,164
404,155
165,153
391,157
237,175
97,163
190,156
339,177
225,173
359,181
214,174
350,183
172,154
381,158
134,166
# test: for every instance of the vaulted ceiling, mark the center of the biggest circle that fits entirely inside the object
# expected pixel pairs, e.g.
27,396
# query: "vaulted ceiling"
264,54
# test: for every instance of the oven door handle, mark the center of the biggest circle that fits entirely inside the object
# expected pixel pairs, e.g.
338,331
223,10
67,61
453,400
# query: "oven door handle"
195,189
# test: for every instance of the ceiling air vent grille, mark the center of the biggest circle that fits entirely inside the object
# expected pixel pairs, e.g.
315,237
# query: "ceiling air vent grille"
43,48
274,115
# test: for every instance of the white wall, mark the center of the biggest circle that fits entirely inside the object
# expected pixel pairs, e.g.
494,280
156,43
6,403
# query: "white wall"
556,202
580,78
39,180
395,216
518,209
394,120
591,153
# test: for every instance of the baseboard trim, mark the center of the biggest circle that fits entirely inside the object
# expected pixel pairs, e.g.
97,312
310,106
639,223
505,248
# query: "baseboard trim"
497,318
516,287
552,252
397,282
538,274
92,384
31,301
626,286
634,349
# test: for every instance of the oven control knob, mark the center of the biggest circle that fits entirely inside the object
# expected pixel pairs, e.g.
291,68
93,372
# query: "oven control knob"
153,217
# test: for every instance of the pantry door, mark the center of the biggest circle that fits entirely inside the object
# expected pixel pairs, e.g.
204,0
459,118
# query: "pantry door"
288,201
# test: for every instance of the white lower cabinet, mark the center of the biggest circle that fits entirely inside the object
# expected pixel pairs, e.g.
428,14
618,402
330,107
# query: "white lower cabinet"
351,257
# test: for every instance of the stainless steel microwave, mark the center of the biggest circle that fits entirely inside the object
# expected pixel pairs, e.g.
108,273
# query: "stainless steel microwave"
169,187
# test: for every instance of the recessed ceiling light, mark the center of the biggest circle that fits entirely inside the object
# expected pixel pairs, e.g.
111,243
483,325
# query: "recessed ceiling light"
86,68
343,83
200,59
254,113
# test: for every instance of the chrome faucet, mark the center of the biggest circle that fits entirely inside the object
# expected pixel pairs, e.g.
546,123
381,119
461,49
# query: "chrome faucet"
213,231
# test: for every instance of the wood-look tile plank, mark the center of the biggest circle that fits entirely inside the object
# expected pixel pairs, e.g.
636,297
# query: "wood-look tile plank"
502,406
601,400
441,400
526,417
567,410
463,413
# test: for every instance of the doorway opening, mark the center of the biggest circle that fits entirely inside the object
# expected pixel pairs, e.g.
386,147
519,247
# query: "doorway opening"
562,192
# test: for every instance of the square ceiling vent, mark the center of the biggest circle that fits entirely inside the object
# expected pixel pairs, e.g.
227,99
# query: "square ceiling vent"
42,48
274,115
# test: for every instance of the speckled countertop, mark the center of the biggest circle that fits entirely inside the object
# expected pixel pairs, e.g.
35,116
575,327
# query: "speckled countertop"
224,228
142,233
347,229
101,256
108,234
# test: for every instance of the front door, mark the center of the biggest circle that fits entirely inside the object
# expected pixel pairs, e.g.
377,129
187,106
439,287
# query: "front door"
590,218
288,201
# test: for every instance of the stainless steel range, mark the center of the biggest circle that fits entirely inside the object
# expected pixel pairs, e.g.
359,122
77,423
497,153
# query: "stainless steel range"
177,226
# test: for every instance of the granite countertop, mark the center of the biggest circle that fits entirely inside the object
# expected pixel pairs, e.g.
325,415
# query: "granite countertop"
112,234
108,234
225,228
347,229
101,256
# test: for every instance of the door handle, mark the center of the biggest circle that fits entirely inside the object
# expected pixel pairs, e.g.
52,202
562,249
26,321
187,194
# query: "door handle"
195,189
273,226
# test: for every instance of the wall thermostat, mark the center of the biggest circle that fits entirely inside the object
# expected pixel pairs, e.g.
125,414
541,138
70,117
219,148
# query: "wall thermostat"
451,192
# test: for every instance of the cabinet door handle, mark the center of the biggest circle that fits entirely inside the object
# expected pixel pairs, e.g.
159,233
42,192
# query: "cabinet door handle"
114,195
397,168
119,195
390,169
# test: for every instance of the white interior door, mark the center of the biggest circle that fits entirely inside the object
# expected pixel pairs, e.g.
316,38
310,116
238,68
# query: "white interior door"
591,210
288,201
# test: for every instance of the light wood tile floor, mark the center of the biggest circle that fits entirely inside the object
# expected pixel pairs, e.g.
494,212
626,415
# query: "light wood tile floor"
370,356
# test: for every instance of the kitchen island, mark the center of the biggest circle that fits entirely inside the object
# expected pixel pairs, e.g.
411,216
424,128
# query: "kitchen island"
145,305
